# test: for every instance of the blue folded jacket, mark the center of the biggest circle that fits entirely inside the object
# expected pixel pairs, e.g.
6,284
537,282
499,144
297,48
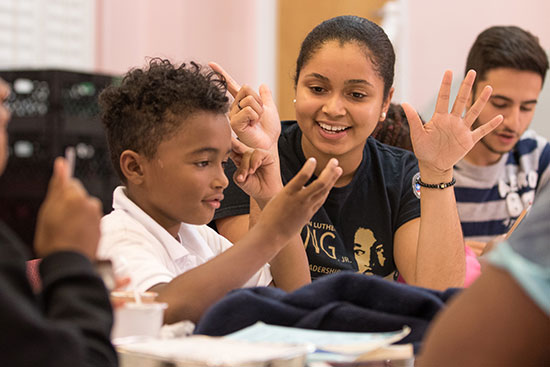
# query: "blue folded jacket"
344,301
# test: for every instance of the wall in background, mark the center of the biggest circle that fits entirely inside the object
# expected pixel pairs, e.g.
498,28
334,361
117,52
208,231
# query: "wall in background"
114,36
440,34
238,34
429,36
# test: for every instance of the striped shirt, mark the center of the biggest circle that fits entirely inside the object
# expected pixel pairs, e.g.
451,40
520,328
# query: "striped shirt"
490,198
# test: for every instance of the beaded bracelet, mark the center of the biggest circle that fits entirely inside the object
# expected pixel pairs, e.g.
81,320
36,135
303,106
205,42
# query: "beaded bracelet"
442,185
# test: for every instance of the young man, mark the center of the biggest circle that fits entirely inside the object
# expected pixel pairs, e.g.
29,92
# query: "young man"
500,176
169,140
69,322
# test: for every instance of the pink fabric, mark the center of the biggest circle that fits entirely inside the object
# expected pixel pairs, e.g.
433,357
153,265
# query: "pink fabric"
473,268
33,275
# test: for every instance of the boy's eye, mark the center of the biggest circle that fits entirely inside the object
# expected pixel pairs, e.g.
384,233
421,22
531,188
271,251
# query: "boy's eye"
202,163
359,252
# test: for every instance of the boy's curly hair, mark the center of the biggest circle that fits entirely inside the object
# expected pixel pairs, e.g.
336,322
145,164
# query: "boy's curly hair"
150,104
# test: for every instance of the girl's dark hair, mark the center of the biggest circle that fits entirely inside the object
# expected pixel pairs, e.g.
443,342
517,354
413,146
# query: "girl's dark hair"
151,104
506,47
346,29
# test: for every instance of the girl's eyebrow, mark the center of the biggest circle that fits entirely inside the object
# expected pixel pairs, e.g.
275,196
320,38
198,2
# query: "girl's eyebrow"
347,82
318,76
358,81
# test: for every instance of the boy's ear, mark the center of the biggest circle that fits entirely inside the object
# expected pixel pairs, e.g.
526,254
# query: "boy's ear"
131,166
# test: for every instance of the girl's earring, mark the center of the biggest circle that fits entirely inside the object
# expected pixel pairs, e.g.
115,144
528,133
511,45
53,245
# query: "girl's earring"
294,100
383,116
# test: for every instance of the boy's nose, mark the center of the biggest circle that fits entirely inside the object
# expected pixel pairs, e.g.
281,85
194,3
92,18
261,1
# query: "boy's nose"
221,181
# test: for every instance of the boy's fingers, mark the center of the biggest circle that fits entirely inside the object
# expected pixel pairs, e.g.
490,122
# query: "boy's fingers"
232,86
326,180
303,176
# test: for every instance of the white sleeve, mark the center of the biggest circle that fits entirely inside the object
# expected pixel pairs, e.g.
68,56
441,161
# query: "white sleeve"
134,256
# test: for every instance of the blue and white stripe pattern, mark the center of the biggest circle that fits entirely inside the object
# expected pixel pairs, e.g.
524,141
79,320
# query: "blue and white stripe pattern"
490,198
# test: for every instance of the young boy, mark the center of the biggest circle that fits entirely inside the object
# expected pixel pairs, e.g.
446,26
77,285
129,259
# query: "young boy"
169,140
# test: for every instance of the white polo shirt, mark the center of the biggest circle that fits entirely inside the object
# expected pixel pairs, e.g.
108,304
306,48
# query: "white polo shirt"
143,250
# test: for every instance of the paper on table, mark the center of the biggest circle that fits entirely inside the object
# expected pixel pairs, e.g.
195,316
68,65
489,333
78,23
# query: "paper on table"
214,351
342,342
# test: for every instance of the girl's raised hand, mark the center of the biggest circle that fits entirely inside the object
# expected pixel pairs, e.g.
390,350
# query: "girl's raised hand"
253,117
257,172
447,137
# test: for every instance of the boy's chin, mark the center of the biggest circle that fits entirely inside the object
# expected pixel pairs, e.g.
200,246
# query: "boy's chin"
200,220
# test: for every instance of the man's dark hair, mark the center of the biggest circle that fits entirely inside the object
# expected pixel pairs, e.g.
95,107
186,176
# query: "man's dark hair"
506,47
150,104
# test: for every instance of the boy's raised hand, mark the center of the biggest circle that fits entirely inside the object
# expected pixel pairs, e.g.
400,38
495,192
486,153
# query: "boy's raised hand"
68,220
293,207
254,117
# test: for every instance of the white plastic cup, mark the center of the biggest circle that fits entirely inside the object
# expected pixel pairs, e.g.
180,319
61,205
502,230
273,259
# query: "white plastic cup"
138,319
130,296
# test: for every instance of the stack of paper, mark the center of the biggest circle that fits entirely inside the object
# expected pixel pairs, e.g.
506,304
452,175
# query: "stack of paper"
266,345
332,346
210,351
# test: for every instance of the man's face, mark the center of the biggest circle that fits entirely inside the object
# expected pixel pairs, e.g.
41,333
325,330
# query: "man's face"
4,119
515,94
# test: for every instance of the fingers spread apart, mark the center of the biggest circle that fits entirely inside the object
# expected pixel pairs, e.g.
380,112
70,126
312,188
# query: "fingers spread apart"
318,189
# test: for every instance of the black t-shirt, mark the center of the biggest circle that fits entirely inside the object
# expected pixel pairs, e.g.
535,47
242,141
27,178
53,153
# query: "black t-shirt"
354,229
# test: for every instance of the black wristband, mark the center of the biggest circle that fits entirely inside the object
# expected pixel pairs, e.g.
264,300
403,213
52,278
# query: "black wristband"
442,185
